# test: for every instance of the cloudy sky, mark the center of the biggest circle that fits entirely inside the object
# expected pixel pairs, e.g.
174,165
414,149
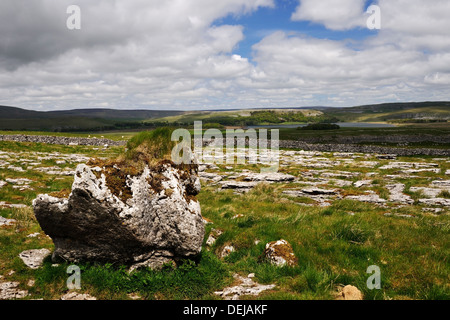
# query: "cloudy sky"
211,54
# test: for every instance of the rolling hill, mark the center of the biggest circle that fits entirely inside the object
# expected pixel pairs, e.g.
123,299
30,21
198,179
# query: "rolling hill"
12,118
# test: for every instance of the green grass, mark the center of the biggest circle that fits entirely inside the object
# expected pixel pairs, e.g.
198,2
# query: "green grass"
333,248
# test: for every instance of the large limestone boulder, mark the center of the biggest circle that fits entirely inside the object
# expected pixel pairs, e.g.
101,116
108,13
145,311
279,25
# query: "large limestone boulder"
146,219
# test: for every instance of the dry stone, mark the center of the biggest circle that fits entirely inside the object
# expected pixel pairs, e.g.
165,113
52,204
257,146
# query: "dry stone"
34,258
9,291
280,253
158,222
351,293
245,287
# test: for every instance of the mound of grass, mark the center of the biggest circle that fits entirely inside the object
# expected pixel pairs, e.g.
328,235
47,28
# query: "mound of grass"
146,149
148,146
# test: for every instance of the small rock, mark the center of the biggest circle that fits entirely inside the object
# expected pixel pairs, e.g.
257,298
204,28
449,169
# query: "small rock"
33,235
34,258
351,293
361,183
6,222
245,287
215,233
77,296
226,251
9,290
280,253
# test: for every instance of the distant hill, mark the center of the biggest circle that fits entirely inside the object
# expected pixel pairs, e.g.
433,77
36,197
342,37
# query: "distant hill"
18,113
393,112
12,118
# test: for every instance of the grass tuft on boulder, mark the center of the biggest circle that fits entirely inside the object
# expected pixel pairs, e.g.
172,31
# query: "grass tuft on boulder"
148,148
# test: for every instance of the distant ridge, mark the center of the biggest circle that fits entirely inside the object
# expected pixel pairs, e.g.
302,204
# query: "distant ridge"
13,118
18,113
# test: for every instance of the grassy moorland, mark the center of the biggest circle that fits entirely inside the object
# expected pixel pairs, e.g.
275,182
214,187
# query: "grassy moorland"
334,245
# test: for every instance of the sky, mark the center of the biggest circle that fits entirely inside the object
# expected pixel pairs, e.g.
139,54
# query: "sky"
222,54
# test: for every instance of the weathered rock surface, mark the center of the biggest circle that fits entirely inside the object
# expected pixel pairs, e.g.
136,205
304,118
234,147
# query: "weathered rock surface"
350,293
280,253
77,296
145,220
35,257
9,291
245,287
397,195
6,222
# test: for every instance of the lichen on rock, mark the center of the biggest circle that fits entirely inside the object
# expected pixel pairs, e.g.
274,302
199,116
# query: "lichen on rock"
280,253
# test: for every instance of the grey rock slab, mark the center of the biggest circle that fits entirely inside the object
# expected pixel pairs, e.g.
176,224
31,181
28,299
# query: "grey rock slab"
245,287
9,291
6,222
34,258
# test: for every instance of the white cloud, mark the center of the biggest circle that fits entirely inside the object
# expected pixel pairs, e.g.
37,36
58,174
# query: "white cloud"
335,15
170,54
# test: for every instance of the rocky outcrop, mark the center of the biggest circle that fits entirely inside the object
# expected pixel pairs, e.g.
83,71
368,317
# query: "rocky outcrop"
144,219
73,141
354,147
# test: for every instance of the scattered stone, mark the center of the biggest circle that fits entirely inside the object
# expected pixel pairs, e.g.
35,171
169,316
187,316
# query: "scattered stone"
386,156
9,291
6,222
433,210
370,196
319,191
226,251
19,181
436,202
12,205
428,192
134,296
210,176
246,287
241,186
213,236
34,258
280,253
441,183
362,183
33,235
350,293
267,176
2,184
389,214
17,169
397,195
77,296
